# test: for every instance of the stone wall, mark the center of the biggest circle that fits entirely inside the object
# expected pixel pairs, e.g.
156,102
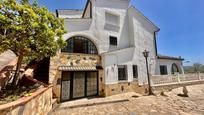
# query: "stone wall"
76,60
123,87
101,83
40,103
69,59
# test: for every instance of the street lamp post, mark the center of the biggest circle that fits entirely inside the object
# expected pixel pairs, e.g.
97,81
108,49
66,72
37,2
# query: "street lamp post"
146,55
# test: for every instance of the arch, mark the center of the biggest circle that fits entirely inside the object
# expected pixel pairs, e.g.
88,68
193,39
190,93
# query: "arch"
80,44
175,69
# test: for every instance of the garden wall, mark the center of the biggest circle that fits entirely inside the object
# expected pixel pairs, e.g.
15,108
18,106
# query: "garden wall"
39,103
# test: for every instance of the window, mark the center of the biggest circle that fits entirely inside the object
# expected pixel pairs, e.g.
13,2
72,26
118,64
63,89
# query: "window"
174,69
113,40
135,71
112,19
79,44
122,72
163,70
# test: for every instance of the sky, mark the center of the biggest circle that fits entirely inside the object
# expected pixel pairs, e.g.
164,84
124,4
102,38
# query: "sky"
181,23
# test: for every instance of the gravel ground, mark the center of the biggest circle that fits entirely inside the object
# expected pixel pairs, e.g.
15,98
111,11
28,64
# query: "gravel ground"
171,104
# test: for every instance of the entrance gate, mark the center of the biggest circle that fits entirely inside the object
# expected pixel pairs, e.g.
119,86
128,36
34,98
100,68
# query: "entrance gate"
78,85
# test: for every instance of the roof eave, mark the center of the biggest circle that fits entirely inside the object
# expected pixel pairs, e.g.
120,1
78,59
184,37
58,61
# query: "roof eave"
169,58
87,4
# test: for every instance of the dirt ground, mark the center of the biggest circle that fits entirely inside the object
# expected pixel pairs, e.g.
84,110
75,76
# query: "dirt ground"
171,104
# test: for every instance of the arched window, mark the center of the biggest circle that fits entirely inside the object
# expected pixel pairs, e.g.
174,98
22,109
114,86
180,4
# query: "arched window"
79,44
174,69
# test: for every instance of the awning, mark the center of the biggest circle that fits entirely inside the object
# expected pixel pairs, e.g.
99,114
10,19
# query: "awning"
75,68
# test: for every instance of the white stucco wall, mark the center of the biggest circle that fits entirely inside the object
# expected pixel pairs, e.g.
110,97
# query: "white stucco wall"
142,34
111,61
134,32
168,63
69,13
116,7
73,25
97,25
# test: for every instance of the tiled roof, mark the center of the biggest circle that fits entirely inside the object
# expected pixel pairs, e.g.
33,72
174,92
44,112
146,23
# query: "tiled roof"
169,57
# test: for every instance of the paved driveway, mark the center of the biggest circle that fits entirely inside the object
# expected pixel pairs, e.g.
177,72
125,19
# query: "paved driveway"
127,104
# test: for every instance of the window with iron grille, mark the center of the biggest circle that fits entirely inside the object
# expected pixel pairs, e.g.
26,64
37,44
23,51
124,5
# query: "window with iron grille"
113,40
135,71
79,44
122,72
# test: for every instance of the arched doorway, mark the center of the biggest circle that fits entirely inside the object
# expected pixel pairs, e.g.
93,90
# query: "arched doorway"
80,44
174,69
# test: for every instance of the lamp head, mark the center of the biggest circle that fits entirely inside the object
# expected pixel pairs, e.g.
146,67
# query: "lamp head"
146,53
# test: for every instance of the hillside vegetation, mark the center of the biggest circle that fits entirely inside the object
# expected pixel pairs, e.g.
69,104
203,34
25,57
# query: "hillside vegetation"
194,68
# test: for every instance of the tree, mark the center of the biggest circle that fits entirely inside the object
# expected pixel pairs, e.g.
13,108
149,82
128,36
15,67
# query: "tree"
202,69
29,30
196,67
188,69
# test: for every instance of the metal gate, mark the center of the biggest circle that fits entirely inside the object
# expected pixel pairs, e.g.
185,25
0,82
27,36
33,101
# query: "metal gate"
78,85
91,84
65,86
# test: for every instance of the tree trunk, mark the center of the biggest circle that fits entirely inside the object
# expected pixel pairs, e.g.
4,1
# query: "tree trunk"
17,71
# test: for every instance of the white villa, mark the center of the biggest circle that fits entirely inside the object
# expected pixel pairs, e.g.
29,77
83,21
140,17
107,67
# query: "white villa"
104,52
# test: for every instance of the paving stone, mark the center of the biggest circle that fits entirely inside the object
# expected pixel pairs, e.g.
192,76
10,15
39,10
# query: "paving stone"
147,105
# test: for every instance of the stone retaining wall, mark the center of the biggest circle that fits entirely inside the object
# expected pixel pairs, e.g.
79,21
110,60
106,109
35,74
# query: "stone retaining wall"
39,103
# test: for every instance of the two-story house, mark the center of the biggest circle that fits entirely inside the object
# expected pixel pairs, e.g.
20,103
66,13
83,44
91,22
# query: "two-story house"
104,52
